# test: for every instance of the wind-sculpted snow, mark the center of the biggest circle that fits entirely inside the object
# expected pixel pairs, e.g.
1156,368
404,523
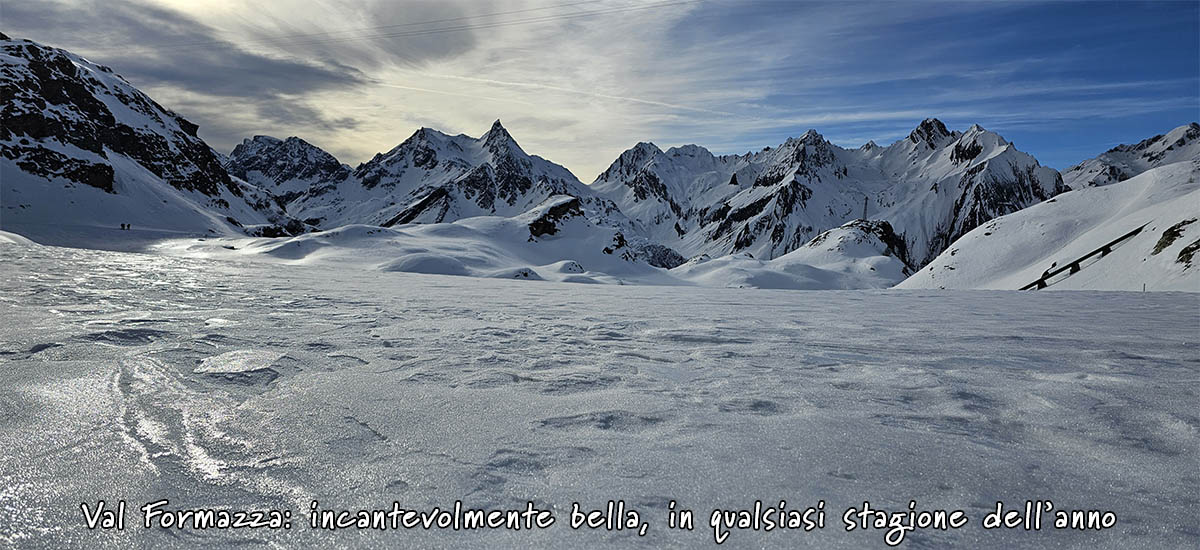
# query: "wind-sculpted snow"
252,386
1015,250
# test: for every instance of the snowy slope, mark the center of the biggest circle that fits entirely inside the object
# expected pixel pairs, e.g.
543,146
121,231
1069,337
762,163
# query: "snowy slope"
932,187
1126,161
81,147
1014,250
238,385
13,238
552,241
859,254
555,241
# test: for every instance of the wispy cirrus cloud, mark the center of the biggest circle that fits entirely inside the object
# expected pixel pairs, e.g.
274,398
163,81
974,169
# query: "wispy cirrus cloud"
578,82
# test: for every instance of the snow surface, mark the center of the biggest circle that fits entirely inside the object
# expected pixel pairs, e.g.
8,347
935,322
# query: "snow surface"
1014,250
357,388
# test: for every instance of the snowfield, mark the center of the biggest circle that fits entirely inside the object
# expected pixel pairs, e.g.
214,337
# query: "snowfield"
579,252
248,385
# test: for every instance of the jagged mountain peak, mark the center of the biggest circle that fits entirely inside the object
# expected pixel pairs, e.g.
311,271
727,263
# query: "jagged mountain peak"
500,143
258,138
290,168
498,135
931,131
260,143
646,146
630,161
498,130
689,150
809,136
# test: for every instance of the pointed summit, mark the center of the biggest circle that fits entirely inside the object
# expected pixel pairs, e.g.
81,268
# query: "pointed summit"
638,154
931,130
809,136
499,141
646,147
497,132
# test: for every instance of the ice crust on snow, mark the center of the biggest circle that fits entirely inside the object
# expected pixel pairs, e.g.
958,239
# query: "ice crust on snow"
426,389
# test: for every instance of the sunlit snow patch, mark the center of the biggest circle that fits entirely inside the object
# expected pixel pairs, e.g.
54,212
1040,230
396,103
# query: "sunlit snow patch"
240,361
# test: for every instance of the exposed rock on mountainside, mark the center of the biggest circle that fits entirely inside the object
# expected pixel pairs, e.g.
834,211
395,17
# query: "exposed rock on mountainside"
1115,237
1126,161
932,187
433,177
289,168
80,145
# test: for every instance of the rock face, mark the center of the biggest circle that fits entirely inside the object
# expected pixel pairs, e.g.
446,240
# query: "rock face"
1126,161
289,168
80,144
931,187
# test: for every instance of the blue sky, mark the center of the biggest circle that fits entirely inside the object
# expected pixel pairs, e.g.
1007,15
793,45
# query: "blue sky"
1064,80
578,82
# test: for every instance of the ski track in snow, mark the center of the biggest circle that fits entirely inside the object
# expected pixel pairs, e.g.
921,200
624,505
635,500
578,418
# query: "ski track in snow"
251,386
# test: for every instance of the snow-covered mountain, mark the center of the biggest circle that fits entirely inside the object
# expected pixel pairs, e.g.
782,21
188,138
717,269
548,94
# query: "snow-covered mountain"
434,177
1126,161
289,168
932,187
81,147
1012,251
